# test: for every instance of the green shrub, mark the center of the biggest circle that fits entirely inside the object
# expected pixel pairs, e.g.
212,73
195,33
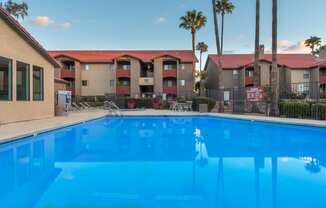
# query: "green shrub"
203,100
318,111
144,103
293,109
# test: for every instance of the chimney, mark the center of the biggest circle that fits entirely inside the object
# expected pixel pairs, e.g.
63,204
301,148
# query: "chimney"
322,52
261,51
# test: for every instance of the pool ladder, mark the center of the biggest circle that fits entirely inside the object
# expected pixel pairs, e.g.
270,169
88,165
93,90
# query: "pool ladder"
112,108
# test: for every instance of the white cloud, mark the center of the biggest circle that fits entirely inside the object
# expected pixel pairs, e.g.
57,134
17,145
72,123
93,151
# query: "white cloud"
161,20
286,46
45,21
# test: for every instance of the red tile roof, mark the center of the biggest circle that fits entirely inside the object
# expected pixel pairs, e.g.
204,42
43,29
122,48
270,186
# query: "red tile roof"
14,24
296,61
89,56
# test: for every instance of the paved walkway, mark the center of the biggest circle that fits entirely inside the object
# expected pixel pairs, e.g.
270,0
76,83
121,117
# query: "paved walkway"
13,131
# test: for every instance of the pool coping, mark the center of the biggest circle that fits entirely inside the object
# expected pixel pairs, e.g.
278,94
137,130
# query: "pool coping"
275,120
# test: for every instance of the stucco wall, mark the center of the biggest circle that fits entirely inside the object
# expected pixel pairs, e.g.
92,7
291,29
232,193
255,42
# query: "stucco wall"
14,47
134,77
185,73
98,77
158,76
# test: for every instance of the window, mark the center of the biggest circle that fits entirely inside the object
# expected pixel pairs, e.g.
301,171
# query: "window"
183,83
111,67
112,82
125,67
168,66
5,79
22,81
86,67
84,82
306,75
38,83
249,73
235,74
182,66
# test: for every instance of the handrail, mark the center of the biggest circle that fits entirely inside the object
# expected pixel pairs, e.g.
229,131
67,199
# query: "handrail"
113,108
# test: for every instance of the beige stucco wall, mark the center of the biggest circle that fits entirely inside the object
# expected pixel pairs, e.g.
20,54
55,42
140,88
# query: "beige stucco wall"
98,77
297,75
14,47
134,77
158,76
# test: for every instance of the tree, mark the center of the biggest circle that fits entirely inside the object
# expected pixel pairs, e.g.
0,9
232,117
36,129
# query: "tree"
18,10
202,47
224,7
219,65
313,43
257,45
275,71
193,21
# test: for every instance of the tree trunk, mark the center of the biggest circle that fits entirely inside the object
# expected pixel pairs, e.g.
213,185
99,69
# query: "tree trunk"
220,90
257,46
222,34
275,71
193,35
200,62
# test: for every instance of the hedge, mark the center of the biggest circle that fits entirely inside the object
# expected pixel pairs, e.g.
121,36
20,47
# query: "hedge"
318,111
145,102
295,109
203,100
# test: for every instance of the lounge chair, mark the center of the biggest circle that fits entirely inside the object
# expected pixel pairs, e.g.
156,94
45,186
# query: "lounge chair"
84,106
75,106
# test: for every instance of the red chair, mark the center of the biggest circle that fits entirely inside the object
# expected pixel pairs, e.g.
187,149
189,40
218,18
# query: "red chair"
157,103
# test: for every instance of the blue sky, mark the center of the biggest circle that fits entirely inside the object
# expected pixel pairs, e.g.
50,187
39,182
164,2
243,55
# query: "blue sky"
153,24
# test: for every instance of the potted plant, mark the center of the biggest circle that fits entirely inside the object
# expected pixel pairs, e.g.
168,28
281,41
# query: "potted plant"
131,103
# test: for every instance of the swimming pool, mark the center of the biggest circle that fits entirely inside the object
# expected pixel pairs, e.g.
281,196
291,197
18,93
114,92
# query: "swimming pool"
166,162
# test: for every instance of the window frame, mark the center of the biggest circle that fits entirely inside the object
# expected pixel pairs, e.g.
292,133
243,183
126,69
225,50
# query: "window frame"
41,69
83,83
28,68
10,80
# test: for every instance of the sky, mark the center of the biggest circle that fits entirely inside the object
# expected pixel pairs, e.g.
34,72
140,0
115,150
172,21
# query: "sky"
153,24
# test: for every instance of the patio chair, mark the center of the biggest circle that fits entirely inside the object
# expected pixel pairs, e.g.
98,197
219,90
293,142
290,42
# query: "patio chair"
173,106
84,106
75,106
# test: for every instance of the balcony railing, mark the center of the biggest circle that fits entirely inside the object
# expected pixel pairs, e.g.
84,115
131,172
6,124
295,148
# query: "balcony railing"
122,73
249,80
170,90
72,90
169,73
66,73
123,90
322,79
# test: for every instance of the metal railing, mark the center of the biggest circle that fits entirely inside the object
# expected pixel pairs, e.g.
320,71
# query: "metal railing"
112,108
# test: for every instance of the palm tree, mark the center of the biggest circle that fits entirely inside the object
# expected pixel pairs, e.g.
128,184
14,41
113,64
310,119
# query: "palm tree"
219,54
193,21
202,47
224,7
313,42
257,45
275,72
18,10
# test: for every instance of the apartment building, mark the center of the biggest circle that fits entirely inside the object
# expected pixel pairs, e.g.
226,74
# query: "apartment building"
127,73
26,74
298,73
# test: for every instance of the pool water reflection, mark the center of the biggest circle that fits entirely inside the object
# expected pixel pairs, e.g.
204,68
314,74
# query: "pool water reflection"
167,162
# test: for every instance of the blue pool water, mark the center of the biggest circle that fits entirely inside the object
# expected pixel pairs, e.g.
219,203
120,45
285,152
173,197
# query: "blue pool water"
166,162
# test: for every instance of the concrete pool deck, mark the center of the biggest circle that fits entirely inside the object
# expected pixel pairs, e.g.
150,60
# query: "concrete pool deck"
13,131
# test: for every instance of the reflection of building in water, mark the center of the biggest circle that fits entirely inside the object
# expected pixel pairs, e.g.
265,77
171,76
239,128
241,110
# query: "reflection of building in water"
26,167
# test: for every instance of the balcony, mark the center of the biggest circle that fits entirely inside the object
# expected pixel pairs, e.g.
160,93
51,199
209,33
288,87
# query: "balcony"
72,90
123,90
120,73
146,81
322,79
170,90
249,80
169,73
66,73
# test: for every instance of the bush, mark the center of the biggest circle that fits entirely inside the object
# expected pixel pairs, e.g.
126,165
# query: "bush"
96,104
318,111
144,103
293,109
203,100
